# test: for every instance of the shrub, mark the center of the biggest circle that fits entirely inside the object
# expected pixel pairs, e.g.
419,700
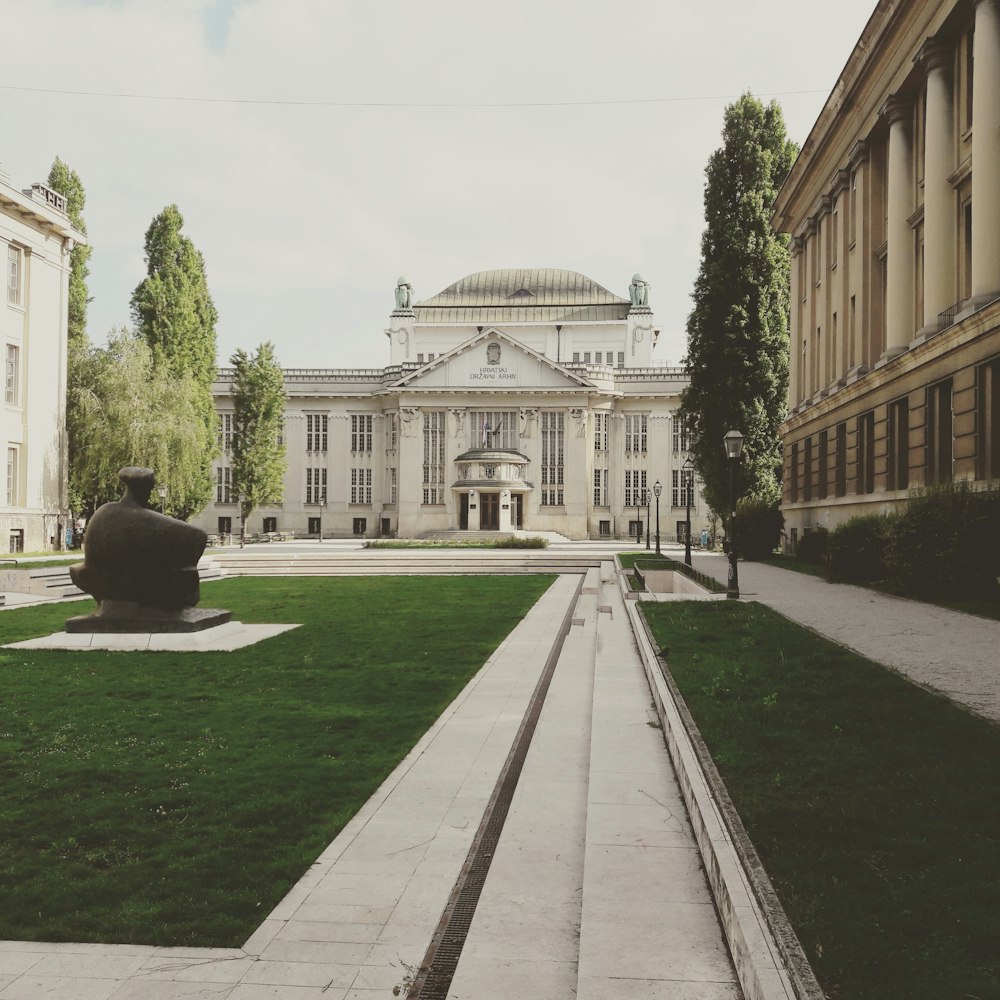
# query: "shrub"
758,527
515,542
946,542
812,546
856,549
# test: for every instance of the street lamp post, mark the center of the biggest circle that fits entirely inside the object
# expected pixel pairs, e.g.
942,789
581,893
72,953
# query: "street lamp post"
646,497
733,442
322,504
162,490
688,471
657,489
243,534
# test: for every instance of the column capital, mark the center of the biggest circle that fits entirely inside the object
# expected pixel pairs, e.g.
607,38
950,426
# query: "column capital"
859,154
897,108
984,3
841,180
935,54
795,246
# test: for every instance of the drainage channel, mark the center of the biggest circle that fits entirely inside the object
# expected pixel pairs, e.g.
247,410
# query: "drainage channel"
437,969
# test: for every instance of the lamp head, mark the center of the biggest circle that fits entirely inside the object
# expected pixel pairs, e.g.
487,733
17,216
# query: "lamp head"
734,444
162,490
657,489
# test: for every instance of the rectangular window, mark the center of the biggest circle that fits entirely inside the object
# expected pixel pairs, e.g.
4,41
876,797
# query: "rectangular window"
270,525
12,477
225,525
225,434
15,274
315,485
635,432
576,357
553,444
316,431
13,374
940,432
361,486
601,420
969,76
680,435
609,358
434,452
866,453
390,484
621,359
315,524
899,445
822,461
840,461
793,474
493,429
635,487
361,433
600,487
586,357
988,420
604,529
223,485
360,525
807,469
391,431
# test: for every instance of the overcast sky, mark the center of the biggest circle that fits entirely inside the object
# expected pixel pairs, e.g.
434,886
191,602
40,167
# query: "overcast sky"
318,149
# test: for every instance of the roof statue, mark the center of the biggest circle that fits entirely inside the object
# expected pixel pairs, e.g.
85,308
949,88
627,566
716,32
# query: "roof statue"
638,291
404,293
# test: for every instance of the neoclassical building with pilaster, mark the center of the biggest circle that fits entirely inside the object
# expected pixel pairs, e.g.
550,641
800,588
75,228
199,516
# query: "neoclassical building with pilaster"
522,399
894,211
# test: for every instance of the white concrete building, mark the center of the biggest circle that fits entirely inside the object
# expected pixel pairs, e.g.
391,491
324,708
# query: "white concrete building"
514,399
36,238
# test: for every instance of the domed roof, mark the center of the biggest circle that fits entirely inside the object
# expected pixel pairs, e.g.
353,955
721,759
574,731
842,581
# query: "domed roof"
522,295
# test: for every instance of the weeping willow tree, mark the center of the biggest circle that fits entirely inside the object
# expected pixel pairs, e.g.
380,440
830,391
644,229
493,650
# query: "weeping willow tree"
126,410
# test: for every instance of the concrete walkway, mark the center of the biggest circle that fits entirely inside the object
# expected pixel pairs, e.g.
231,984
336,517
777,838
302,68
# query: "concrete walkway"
596,888
951,652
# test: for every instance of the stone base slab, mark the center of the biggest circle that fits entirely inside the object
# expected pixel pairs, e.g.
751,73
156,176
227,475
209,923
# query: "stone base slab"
221,638
134,619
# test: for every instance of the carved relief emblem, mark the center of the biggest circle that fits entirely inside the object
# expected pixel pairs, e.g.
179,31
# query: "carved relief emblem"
493,354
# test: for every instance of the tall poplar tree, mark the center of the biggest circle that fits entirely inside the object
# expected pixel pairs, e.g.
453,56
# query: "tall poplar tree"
737,358
173,311
67,182
258,449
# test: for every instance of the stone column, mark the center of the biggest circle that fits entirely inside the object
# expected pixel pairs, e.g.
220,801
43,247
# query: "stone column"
899,325
473,510
795,325
940,217
986,153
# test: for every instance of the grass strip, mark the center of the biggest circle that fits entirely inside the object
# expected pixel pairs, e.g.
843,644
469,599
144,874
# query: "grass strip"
874,804
172,798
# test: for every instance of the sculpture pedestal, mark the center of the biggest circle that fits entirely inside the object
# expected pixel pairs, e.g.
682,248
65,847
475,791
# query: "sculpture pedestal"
127,617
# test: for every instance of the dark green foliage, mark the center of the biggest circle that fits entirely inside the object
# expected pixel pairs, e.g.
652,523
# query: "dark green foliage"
67,182
758,527
812,546
737,356
873,803
514,542
174,798
856,549
258,449
946,542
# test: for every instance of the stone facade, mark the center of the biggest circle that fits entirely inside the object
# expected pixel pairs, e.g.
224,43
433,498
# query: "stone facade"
894,211
514,400
35,242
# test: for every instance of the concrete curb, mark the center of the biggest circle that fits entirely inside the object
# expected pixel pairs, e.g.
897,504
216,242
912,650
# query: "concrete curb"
768,957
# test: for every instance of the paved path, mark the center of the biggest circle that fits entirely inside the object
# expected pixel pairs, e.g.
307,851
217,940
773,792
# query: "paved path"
954,653
596,888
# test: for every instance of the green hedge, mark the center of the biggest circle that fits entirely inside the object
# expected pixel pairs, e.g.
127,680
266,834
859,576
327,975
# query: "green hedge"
856,549
811,547
946,542
758,527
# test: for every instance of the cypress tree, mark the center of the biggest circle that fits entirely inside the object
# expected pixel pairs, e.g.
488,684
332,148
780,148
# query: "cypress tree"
737,358
67,182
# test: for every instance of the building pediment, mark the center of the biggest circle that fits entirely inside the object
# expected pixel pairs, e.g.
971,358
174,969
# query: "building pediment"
493,360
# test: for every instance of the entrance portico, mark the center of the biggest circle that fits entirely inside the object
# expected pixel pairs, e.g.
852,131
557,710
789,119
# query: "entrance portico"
491,485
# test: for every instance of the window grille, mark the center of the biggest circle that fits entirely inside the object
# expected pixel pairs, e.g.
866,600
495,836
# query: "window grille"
315,485
635,432
361,486
434,456
361,433
553,443
316,431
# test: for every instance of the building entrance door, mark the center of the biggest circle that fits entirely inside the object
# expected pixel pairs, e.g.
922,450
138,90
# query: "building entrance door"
463,512
489,511
517,510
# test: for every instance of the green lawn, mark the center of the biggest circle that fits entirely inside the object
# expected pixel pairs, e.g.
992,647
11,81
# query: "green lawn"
174,798
874,805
